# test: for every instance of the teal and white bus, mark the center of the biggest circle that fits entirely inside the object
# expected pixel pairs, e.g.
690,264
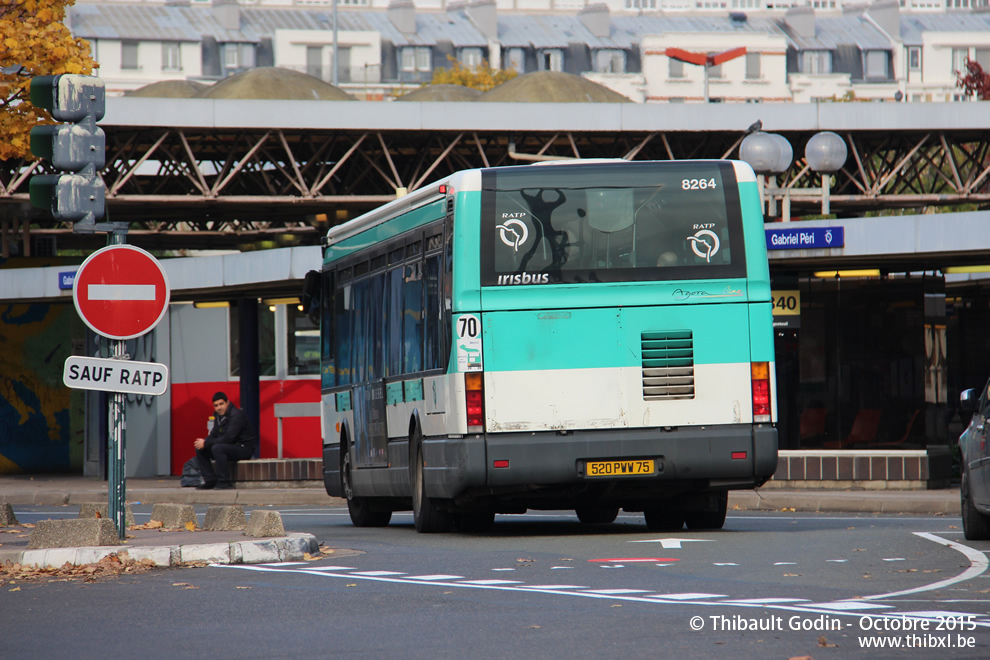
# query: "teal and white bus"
584,335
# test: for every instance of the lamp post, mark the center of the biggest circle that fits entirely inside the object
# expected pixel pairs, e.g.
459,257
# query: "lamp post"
767,153
825,152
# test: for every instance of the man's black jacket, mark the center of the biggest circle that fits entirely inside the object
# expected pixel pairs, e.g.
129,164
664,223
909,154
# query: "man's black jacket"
232,429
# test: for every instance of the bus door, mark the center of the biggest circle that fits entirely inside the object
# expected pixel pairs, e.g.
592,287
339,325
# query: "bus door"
370,433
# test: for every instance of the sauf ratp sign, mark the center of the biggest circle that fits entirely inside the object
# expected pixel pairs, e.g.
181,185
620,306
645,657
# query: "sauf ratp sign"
120,292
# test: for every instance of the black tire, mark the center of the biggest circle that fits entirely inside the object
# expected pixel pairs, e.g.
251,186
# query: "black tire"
976,526
668,519
709,519
363,513
474,521
596,515
429,519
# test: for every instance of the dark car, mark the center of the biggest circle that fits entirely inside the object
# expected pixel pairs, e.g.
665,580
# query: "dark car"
975,459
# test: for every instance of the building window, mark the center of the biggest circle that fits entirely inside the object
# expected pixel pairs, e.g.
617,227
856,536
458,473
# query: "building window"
914,58
416,58
266,341
516,60
170,56
552,59
303,342
129,55
675,68
314,61
959,57
470,58
230,56
983,59
816,61
715,71
876,64
610,60
753,71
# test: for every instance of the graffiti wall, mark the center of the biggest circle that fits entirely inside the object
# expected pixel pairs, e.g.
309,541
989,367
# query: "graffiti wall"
38,432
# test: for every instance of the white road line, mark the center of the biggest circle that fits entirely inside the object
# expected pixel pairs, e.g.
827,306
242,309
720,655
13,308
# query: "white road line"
837,561
553,587
121,291
617,592
850,606
689,596
727,563
377,573
977,566
435,578
766,601
320,568
286,563
893,559
490,583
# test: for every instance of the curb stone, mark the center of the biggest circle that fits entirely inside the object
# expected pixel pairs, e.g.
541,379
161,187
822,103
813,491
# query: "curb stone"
292,547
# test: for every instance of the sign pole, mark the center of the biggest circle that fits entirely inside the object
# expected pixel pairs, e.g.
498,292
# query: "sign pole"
117,425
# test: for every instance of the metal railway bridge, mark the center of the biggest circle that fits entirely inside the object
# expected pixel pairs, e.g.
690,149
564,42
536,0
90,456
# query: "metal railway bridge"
227,174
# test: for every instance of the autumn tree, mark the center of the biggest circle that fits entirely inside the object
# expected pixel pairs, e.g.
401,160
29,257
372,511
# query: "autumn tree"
34,41
482,77
976,82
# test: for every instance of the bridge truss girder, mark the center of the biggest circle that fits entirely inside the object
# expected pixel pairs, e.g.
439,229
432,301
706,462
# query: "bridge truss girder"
186,188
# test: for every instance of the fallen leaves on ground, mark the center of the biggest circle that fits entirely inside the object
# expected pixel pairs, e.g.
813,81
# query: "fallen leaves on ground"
154,524
191,526
242,587
113,565
327,551
309,557
823,643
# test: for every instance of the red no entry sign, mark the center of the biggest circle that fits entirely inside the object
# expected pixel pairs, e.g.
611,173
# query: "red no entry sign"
121,292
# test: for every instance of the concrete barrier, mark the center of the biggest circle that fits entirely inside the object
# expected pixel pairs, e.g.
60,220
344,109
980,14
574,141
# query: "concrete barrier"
69,533
7,516
174,516
225,518
90,509
264,524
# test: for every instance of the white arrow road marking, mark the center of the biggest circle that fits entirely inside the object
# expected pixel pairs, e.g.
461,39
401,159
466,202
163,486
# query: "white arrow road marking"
121,291
673,543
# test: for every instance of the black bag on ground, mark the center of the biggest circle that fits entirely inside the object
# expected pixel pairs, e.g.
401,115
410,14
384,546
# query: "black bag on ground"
190,473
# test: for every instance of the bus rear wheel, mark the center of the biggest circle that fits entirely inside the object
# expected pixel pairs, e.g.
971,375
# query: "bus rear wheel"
664,519
712,519
429,519
597,515
361,510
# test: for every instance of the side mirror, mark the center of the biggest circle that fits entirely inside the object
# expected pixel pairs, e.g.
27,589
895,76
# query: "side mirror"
968,400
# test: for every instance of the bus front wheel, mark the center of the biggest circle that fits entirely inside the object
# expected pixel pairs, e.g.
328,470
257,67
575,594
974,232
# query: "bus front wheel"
429,518
362,513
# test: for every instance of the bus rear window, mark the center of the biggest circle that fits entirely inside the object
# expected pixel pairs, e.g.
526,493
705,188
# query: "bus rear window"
611,222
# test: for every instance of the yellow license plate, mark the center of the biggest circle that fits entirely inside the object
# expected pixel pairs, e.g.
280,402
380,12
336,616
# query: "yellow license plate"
618,468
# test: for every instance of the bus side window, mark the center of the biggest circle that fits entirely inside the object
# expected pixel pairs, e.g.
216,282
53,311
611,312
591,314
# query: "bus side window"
393,323
412,318
376,326
343,311
326,330
432,310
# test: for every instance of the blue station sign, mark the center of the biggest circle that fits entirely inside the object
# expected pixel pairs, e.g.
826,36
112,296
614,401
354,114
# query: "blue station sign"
66,280
805,238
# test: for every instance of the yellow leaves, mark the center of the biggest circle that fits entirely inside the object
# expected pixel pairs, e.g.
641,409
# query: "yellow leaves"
483,77
34,42
190,526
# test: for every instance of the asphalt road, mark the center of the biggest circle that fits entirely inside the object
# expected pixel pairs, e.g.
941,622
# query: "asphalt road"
773,585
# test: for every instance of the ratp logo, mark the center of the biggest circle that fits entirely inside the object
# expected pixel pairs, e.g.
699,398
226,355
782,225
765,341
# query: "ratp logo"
705,244
511,236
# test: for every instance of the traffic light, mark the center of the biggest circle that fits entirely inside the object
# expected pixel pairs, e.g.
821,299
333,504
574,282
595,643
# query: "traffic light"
79,148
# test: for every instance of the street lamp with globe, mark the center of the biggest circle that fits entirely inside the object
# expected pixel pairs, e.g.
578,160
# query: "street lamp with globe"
826,153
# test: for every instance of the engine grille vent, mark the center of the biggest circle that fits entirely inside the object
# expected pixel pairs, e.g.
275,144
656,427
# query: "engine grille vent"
668,365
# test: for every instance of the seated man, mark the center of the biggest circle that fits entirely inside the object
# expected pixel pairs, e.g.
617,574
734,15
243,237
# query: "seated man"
231,439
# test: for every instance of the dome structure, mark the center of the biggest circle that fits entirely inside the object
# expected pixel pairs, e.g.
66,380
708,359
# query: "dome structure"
274,83
441,93
170,89
551,87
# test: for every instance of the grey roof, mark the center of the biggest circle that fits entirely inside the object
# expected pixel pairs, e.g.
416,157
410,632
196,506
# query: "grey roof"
158,23
912,26
834,31
555,31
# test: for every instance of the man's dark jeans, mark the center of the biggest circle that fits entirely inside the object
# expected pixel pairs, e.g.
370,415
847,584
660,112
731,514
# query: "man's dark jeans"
223,455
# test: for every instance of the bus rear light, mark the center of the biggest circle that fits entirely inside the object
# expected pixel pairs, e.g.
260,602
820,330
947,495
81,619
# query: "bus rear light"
474,400
761,391
500,464
738,455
